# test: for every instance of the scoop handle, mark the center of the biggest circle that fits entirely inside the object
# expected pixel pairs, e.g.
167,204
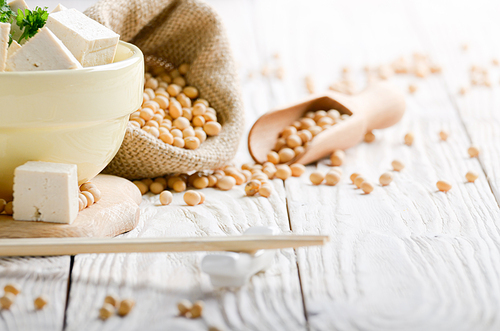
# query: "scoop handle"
381,105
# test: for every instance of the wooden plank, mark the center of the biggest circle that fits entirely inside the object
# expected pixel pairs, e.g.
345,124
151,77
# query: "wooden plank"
271,301
158,281
445,36
404,257
35,276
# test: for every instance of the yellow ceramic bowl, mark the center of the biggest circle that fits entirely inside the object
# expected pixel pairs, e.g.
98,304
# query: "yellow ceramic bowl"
68,116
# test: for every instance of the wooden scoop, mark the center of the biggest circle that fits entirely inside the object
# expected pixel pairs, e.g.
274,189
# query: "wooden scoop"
377,107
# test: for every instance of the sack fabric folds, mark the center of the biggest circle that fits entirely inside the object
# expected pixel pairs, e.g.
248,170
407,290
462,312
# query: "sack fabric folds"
178,31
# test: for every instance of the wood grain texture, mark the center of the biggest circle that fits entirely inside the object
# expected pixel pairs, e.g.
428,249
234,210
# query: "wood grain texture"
35,276
445,38
404,257
271,300
117,212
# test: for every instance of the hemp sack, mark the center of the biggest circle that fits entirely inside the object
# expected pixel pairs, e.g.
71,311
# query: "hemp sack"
178,31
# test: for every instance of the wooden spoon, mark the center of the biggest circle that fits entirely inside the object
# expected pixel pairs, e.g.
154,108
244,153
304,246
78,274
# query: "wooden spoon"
377,107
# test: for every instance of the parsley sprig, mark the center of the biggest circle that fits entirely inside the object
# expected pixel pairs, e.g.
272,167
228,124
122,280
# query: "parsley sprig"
30,21
6,14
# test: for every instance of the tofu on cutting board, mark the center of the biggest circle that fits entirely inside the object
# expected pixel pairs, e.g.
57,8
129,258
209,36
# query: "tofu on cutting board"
46,191
4,44
44,51
14,6
90,42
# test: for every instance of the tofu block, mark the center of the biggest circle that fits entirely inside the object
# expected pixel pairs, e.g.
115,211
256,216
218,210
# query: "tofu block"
15,5
44,51
58,8
46,191
4,44
14,47
90,42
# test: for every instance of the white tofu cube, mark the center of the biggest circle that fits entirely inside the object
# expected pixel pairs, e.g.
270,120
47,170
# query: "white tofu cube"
14,47
46,191
58,8
44,51
4,44
90,42
15,5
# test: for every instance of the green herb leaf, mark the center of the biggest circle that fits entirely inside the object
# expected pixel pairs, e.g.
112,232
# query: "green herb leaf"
6,14
30,21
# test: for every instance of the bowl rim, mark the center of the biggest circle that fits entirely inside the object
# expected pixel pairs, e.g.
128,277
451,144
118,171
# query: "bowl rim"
136,56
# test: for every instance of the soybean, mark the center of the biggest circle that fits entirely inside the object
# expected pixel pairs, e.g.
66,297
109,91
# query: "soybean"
226,183
265,190
409,139
7,300
471,176
332,178
9,208
106,311
297,169
12,288
156,188
125,307
369,137
397,165
367,187
353,177
283,172
192,198
184,307
443,135
443,186
197,309
166,198
252,187
358,181
385,179
112,300
286,154
316,177
40,302
473,151
337,158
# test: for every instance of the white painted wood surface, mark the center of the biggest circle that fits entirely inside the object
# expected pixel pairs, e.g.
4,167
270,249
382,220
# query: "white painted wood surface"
158,281
402,258
479,107
35,277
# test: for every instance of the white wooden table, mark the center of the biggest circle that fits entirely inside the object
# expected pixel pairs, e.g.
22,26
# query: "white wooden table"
402,258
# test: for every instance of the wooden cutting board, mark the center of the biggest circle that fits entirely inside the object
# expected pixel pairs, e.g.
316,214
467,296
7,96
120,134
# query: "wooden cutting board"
117,212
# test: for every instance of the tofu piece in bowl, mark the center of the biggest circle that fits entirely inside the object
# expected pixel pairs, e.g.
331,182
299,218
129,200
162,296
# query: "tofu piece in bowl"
91,43
4,44
44,51
14,6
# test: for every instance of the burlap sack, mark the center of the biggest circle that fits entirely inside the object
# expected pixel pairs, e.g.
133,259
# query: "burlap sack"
179,31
